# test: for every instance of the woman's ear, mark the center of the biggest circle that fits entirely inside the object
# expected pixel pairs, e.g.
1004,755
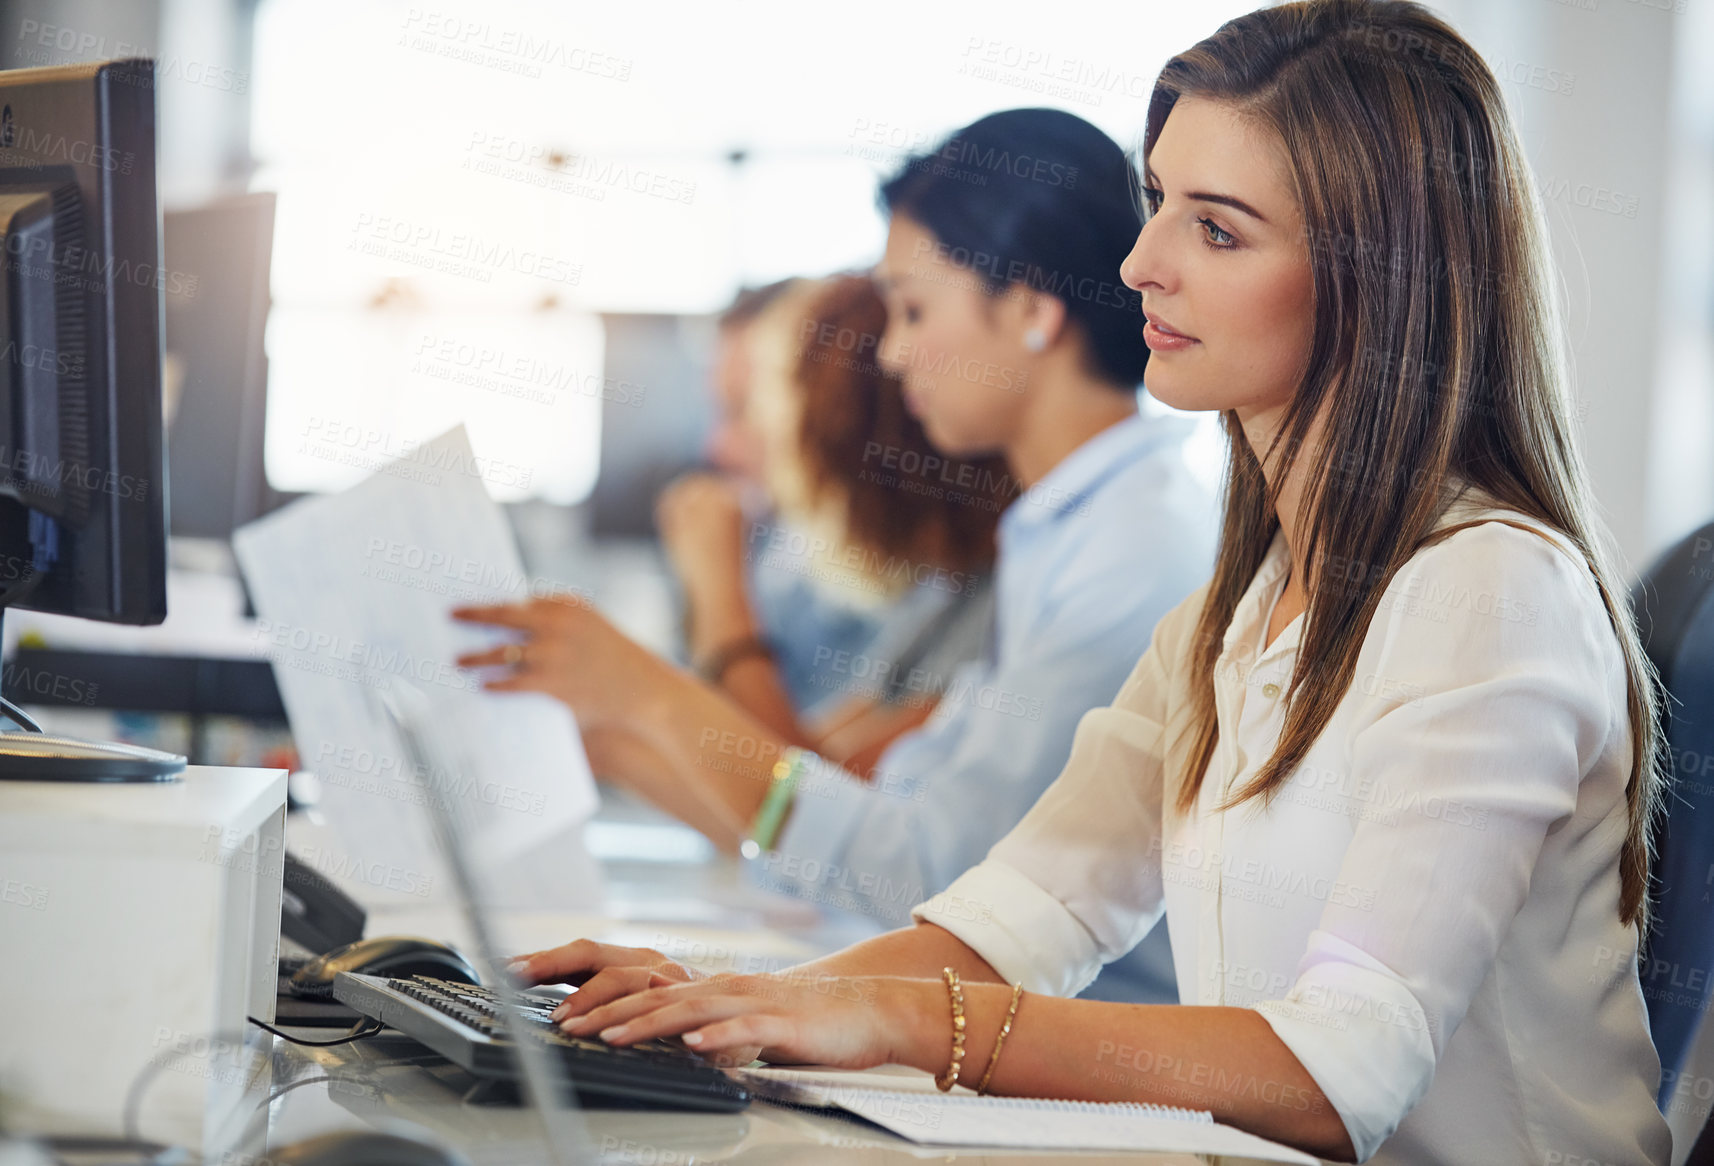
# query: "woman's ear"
1041,320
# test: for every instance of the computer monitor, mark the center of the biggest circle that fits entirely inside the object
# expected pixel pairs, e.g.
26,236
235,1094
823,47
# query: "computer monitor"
82,483
82,474
216,371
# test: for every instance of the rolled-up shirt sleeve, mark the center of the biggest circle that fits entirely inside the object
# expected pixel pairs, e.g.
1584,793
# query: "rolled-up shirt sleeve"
1077,883
1511,700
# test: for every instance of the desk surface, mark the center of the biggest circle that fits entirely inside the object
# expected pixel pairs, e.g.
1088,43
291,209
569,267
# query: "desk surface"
697,909
390,1080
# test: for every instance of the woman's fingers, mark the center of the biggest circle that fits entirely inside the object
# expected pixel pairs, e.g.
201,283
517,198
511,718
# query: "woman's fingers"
658,992
735,1018
604,987
574,962
506,615
748,1033
691,500
519,616
684,1013
569,963
517,966
520,682
599,1016
530,617
492,657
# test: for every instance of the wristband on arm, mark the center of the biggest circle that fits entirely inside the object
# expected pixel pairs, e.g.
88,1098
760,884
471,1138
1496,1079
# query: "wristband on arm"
718,663
777,801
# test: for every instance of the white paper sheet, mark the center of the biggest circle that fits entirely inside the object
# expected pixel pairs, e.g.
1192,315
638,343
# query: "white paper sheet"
908,1103
353,592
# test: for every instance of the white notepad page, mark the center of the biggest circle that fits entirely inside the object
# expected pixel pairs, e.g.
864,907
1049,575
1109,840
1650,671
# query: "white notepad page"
353,591
908,1104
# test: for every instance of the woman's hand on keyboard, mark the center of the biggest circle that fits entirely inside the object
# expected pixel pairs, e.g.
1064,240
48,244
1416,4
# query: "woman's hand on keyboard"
851,1022
600,971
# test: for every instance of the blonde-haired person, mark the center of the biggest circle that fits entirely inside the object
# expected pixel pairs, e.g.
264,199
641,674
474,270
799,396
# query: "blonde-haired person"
803,623
918,565
1390,774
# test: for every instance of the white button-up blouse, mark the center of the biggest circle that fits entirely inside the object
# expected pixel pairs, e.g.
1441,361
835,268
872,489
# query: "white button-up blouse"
1427,913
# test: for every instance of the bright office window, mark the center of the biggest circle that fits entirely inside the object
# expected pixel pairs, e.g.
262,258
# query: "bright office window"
488,174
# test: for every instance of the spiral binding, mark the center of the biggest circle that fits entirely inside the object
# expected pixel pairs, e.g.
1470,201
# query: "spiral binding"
1055,1105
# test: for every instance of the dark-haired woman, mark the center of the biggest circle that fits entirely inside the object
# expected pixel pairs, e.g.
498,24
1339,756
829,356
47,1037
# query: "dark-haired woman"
1391,773
1013,337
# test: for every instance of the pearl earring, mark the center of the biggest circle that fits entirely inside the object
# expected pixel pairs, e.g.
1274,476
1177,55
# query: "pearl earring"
1035,340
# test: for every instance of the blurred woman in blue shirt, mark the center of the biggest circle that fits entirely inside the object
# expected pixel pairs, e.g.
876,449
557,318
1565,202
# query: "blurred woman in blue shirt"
1012,334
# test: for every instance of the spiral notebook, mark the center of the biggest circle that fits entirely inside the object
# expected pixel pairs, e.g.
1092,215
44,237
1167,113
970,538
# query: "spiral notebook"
909,1105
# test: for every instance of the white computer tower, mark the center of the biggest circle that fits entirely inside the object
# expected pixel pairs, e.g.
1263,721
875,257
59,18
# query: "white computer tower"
139,928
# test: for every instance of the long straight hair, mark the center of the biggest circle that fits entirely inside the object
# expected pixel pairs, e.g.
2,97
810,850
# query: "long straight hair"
1436,356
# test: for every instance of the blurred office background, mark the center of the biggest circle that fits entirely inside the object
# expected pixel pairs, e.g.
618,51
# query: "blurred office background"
382,219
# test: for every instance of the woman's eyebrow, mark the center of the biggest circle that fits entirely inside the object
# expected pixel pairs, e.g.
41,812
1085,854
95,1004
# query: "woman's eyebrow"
1237,204
1227,200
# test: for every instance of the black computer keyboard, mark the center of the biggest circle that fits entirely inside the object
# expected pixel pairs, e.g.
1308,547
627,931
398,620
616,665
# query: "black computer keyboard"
458,1021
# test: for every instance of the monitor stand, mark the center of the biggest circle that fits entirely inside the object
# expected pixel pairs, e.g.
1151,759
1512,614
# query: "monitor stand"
29,754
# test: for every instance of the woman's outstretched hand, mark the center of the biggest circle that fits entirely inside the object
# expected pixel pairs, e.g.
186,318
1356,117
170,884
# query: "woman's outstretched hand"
570,651
634,994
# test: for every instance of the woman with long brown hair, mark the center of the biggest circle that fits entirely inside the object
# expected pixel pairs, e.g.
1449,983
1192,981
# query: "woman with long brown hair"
920,560
1390,774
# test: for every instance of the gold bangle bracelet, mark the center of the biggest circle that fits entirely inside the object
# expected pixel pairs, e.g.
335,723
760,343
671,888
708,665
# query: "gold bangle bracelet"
955,992
1000,1042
